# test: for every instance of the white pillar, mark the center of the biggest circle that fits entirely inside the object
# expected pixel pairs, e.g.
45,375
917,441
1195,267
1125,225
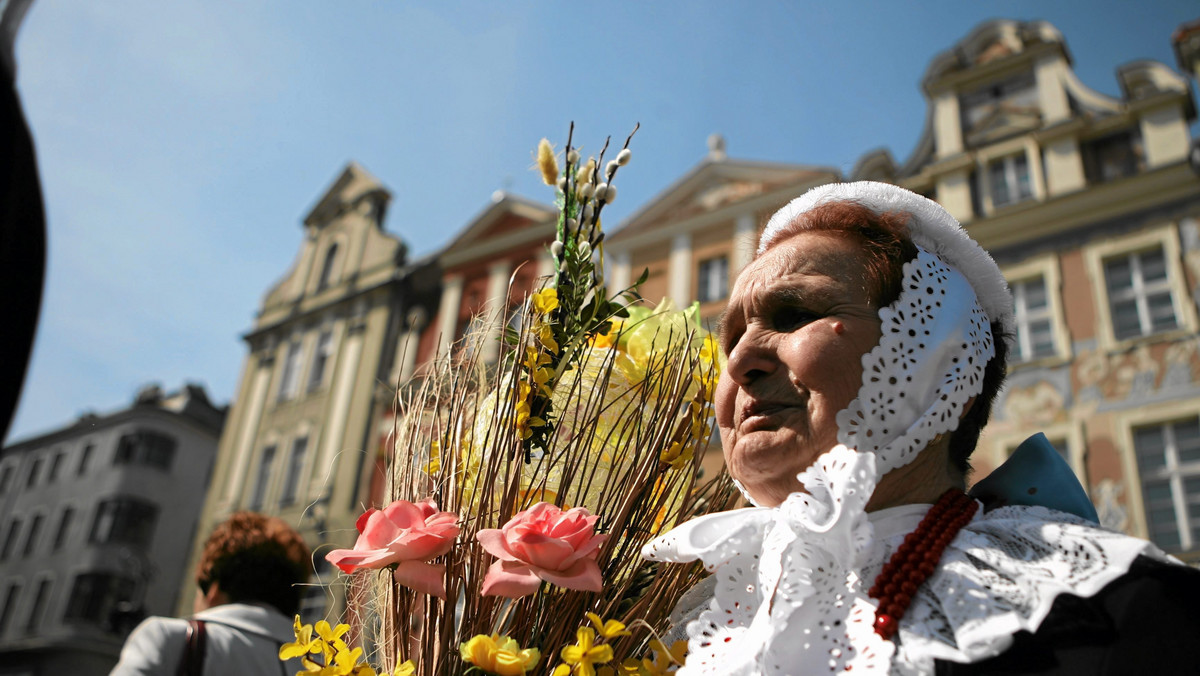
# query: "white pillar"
496,308
1164,136
243,453
334,430
448,313
619,277
679,271
745,242
947,125
545,266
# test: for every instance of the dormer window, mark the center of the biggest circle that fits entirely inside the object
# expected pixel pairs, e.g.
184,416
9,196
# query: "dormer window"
999,110
1008,178
1112,157
327,267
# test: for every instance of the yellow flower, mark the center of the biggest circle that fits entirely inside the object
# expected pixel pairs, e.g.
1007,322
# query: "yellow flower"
585,653
499,655
609,629
305,643
545,300
609,337
545,336
405,669
547,163
663,661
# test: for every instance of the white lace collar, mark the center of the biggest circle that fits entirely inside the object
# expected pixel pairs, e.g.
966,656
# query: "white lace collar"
1000,575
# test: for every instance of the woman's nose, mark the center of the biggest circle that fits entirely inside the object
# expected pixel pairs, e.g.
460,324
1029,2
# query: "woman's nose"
752,358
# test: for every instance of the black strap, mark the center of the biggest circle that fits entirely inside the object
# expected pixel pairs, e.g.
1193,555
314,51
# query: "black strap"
191,662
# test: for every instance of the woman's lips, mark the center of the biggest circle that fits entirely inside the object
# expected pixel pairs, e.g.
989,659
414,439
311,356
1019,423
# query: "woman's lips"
762,415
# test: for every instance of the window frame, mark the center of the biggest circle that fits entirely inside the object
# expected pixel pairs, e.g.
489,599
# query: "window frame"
261,486
289,373
1095,255
982,186
1125,423
322,356
123,520
1048,268
292,483
703,281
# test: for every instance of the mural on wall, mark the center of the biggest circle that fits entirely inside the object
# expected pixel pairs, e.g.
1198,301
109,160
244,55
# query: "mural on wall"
1108,497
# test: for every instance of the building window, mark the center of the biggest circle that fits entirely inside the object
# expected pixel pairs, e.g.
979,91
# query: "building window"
1139,293
5,478
316,374
10,603
145,447
124,520
1114,156
1014,95
39,601
10,538
84,459
64,527
95,595
263,478
1008,178
327,267
1168,458
1034,319
31,538
291,481
713,278
34,470
55,466
290,378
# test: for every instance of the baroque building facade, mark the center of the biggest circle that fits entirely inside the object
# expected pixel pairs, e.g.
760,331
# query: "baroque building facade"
331,340
96,519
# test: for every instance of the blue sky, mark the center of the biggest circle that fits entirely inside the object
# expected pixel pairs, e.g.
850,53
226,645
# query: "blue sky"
182,142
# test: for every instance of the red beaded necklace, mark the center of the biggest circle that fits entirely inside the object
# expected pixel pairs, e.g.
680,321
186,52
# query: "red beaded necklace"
917,557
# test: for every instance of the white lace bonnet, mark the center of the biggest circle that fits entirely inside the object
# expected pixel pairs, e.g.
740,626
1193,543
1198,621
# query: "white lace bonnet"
932,228
936,336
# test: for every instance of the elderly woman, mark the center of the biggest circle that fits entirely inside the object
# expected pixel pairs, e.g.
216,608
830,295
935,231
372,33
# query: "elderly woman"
865,347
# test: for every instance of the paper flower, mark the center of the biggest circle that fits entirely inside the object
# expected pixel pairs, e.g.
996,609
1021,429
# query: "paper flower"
584,655
543,543
499,655
405,535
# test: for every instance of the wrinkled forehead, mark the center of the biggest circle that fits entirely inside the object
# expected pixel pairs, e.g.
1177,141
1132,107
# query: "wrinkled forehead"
801,259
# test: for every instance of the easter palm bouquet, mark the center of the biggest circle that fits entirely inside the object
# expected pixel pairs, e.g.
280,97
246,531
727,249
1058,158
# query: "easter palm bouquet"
521,492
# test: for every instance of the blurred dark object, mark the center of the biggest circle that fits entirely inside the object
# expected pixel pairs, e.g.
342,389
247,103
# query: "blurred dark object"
22,225
125,616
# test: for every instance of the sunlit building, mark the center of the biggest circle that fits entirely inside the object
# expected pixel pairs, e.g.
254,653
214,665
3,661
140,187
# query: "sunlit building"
331,340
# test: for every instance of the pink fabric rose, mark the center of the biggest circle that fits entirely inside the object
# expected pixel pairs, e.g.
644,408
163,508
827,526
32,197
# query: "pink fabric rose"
543,543
407,536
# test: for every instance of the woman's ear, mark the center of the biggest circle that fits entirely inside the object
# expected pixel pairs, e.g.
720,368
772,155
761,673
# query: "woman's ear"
966,408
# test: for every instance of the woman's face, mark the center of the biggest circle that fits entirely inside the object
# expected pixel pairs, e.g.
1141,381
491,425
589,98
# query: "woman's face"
799,319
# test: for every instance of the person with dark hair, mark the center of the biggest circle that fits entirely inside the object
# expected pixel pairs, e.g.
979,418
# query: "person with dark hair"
866,344
248,589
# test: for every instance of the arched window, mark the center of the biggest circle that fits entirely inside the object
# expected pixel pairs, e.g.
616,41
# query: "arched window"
327,267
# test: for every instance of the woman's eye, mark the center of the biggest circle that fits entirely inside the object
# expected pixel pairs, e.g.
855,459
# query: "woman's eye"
791,318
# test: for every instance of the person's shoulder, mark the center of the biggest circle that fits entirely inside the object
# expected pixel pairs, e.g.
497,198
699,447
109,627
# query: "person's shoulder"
155,642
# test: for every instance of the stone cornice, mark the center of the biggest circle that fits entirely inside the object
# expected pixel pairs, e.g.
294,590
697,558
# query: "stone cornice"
1103,202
